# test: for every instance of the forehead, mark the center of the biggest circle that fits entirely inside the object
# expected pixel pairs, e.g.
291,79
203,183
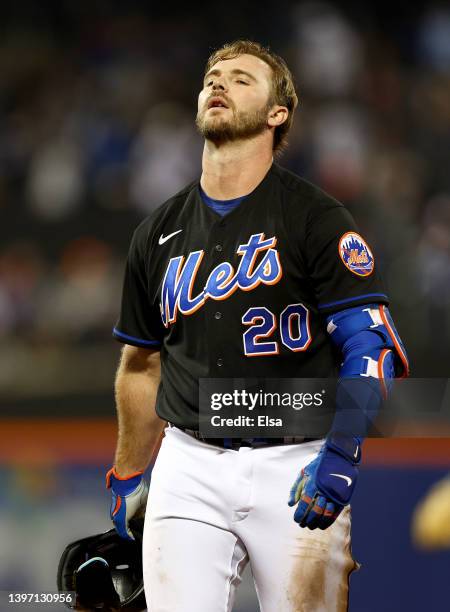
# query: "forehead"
250,63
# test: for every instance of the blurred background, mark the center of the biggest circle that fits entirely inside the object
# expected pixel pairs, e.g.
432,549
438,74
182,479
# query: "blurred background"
97,108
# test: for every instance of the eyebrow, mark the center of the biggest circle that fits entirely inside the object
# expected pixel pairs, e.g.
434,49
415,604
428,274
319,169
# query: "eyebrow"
235,71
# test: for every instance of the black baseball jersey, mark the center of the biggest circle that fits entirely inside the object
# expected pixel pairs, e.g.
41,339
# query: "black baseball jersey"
243,295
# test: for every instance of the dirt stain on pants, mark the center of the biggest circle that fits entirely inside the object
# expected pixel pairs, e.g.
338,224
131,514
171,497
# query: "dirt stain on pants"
321,566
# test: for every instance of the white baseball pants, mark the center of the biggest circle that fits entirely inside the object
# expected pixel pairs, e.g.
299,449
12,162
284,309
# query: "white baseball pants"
211,510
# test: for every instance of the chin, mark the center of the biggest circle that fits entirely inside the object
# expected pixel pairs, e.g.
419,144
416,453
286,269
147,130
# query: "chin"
215,128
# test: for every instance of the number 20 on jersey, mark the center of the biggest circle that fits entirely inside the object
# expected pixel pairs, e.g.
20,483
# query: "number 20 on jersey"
293,325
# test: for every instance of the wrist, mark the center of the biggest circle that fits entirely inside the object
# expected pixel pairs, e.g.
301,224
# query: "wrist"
124,473
346,445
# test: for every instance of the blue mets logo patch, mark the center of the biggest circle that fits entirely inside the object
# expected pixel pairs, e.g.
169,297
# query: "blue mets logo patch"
356,254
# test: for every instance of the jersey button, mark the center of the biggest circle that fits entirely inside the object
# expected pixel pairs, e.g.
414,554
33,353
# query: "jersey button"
218,247
218,315
220,362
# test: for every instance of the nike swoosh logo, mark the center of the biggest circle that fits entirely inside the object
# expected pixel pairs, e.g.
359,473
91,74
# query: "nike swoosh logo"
347,479
163,239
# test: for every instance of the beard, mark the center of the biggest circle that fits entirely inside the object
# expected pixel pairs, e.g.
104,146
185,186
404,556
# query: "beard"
240,126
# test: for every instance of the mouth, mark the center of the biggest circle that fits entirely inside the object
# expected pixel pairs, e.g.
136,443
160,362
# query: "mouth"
217,102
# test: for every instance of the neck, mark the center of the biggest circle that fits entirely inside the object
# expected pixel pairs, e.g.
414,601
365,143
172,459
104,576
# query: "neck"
234,169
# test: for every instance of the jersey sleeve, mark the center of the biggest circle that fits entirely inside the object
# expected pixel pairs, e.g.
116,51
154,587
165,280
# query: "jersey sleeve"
139,322
341,264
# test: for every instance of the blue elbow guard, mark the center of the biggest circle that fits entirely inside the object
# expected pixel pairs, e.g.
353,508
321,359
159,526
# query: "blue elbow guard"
365,334
373,356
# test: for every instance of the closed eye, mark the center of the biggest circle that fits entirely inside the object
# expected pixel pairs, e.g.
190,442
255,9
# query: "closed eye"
242,82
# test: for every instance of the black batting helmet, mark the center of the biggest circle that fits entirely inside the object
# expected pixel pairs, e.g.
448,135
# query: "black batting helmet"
105,571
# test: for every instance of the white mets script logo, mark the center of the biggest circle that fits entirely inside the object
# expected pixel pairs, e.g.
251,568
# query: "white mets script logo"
223,281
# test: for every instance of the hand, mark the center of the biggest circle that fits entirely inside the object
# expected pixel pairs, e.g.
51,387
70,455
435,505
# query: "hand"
326,484
129,497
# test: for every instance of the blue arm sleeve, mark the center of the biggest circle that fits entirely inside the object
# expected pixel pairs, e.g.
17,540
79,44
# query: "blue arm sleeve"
373,355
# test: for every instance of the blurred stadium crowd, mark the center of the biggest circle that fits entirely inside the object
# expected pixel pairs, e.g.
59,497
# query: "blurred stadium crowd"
97,108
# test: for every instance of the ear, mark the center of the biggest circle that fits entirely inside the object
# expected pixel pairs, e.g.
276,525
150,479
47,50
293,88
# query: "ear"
277,115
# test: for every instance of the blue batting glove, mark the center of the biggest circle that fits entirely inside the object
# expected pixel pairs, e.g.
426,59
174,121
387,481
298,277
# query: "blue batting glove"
129,497
326,485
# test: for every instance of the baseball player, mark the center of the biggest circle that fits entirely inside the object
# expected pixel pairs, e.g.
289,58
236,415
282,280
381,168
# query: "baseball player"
249,272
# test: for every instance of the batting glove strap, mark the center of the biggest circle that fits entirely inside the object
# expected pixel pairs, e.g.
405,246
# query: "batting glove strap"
122,485
128,499
345,445
335,476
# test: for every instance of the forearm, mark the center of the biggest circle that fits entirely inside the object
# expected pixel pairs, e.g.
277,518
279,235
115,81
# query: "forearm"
357,405
139,427
372,356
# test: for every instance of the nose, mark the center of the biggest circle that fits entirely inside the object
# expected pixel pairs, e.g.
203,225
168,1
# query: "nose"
218,85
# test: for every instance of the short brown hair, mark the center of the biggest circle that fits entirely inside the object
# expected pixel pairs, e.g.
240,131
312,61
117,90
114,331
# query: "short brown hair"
283,88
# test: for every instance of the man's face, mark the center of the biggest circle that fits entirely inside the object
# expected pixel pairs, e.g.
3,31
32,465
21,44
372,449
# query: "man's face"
235,99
